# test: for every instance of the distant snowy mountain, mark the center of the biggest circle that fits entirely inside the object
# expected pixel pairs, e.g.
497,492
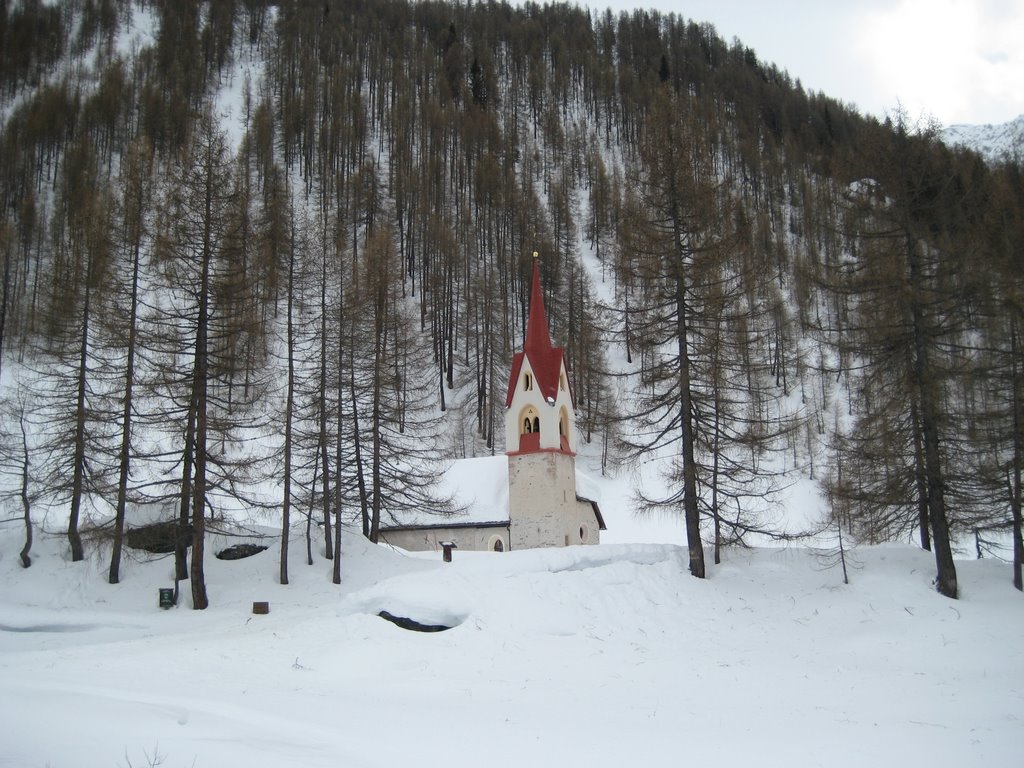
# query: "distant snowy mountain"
993,142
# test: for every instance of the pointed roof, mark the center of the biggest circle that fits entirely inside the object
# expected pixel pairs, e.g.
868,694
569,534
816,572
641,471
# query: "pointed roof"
538,339
545,360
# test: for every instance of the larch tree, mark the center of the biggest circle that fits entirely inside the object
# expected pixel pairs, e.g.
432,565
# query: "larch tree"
192,238
71,405
907,325
676,248
16,466
997,423
396,418
136,185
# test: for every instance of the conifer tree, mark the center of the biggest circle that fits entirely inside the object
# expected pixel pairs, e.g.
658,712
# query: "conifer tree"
677,243
136,184
200,332
907,328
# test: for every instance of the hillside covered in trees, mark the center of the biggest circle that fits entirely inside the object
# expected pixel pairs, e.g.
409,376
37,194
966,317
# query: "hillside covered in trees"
276,257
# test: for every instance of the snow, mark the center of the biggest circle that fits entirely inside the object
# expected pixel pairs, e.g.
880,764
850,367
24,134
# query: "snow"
479,486
993,142
599,656
587,487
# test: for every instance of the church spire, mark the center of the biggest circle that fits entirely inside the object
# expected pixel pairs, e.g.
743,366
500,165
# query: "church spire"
538,339
540,415
546,362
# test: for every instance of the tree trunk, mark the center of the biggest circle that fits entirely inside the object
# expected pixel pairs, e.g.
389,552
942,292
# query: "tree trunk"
322,396
375,446
357,449
945,580
126,423
691,512
309,511
288,408
336,570
181,564
1014,480
26,506
920,480
1018,542
715,514
78,475
4,299
200,601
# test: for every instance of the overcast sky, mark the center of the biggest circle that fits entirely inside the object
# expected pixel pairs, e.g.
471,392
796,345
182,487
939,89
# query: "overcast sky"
957,61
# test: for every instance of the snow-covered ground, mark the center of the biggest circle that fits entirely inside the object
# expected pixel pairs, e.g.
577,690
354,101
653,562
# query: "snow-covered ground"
586,656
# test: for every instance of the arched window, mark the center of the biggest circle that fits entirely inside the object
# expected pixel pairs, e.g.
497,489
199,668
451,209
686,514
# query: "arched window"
530,421
564,429
527,382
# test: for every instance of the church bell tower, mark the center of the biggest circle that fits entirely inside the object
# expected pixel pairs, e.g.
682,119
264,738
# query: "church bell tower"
540,439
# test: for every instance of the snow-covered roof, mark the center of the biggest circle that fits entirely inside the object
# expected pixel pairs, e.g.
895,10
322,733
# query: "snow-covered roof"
480,485
587,488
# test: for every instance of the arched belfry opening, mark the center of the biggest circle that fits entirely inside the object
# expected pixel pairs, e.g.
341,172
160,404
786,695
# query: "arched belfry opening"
529,429
529,421
564,428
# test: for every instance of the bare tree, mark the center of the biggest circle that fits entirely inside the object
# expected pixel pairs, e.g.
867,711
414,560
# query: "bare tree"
908,328
136,186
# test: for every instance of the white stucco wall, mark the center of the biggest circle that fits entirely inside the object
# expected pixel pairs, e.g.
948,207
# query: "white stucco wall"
523,398
470,538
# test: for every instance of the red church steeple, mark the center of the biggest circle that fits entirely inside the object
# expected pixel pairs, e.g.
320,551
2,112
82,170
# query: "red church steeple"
545,360
540,414
538,339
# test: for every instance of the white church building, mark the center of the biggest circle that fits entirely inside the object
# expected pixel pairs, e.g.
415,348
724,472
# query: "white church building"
533,496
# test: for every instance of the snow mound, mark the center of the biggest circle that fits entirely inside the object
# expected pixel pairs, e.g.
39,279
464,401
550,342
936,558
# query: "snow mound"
772,659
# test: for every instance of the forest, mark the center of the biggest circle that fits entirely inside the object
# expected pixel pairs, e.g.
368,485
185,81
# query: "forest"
273,259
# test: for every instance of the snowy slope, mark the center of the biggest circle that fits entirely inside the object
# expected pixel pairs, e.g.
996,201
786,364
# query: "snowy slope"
597,656
993,142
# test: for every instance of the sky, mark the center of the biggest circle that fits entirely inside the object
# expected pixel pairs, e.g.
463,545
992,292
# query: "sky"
954,61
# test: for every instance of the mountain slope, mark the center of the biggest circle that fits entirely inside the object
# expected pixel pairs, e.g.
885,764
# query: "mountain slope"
993,142
812,295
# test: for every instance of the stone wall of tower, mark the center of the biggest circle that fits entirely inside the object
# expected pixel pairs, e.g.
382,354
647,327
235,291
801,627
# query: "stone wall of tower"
543,508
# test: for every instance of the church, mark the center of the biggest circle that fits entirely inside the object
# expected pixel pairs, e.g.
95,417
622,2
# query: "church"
533,496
